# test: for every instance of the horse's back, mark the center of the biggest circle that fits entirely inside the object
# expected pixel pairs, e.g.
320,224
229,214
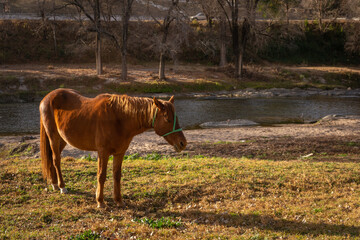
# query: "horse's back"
62,99
78,119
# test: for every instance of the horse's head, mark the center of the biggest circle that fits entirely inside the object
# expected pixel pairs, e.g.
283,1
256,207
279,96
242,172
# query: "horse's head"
166,124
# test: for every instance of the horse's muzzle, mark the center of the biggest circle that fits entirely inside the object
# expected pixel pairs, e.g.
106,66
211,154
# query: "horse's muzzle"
180,146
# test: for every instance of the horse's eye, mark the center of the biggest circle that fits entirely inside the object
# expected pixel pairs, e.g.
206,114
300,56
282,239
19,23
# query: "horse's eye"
166,117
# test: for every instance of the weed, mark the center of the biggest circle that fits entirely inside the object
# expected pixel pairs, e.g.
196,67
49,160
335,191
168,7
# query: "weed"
153,156
46,218
132,156
353,144
89,158
317,210
222,142
159,223
87,235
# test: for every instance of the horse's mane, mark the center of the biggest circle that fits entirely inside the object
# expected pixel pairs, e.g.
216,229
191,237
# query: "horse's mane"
140,109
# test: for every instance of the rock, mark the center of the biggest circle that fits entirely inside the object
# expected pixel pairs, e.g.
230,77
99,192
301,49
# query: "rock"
330,118
23,88
229,124
26,138
322,80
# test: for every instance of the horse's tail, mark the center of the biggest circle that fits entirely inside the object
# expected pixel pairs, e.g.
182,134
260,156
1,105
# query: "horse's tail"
46,153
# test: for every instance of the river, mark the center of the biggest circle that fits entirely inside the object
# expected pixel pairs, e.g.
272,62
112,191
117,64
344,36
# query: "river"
19,118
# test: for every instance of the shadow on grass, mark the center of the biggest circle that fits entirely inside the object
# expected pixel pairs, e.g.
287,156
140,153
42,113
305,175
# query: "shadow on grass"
265,222
156,205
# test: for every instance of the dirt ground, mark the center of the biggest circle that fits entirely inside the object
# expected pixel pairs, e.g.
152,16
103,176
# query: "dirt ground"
333,139
180,73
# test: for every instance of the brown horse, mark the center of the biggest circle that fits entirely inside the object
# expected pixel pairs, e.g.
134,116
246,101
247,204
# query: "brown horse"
106,124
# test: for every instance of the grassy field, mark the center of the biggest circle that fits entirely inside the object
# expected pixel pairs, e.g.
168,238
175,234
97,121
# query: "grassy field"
184,198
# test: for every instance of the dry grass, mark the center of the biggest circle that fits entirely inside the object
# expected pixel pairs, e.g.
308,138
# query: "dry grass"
200,198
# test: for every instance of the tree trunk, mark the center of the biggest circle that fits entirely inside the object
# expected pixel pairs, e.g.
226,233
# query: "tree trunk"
235,37
124,67
241,57
125,22
163,49
320,9
98,38
98,54
245,30
287,15
124,50
162,67
223,61
210,22
53,27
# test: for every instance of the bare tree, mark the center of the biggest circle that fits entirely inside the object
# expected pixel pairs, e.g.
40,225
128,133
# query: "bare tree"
209,8
251,6
279,8
173,14
222,25
92,9
126,6
47,9
328,9
238,43
352,44
101,13
212,11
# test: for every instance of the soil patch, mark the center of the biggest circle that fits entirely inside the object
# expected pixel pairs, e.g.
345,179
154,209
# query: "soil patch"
287,148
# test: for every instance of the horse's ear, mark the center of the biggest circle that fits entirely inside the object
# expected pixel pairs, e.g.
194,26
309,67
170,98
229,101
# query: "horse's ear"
158,104
172,99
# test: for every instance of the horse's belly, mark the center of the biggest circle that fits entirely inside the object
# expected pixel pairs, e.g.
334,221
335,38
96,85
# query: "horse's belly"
78,140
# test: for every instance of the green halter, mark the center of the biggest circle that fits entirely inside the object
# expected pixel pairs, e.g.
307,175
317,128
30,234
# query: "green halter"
173,131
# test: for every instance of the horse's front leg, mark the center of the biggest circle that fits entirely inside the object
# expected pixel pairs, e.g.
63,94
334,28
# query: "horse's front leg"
117,164
101,177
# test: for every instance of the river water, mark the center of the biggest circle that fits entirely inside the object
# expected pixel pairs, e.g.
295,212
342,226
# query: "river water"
18,118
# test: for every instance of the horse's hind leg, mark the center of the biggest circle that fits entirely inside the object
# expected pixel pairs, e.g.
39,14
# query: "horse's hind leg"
57,144
54,177
117,163
101,175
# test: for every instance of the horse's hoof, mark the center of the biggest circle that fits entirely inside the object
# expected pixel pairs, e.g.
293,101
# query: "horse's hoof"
120,204
63,190
101,205
55,187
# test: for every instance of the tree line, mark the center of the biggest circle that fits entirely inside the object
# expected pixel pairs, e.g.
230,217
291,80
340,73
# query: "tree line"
237,20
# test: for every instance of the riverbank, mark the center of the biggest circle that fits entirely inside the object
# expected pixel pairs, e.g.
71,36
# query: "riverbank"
26,83
334,138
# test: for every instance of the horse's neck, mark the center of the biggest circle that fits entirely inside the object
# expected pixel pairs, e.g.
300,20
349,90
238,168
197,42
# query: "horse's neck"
138,113
146,115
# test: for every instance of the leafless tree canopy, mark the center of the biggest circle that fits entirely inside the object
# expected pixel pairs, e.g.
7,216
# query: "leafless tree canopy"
233,30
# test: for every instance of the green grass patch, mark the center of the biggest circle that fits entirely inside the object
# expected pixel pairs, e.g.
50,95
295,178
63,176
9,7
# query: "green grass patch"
163,222
87,235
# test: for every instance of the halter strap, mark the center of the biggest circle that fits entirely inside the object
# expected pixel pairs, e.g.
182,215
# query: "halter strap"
173,131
